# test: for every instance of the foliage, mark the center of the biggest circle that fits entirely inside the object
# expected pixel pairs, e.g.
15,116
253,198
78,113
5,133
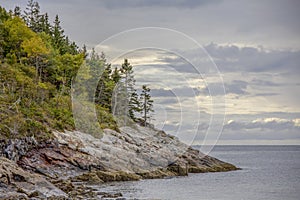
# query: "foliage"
146,104
38,64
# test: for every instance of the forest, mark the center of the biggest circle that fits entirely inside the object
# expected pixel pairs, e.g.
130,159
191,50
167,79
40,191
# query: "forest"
38,65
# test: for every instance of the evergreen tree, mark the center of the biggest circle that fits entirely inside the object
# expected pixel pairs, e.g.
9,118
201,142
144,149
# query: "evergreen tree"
127,76
146,104
32,16
84,51
45,25
134,106
116,75
105,88
58,36
17,11
128,83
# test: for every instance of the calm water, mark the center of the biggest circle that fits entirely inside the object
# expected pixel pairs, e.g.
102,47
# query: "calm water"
269,172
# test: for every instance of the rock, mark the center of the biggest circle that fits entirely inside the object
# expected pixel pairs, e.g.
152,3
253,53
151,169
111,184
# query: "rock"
124,176
106,176
90,177
65,185
58,161
156,174
140,150
23,182
59,169
108,195
195,169
13,149
179,169
12,196
83,192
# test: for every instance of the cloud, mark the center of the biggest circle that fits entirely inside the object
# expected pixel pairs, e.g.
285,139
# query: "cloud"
265,94
274,123
237,87
296,122
261,82
162,93
190,4
232,58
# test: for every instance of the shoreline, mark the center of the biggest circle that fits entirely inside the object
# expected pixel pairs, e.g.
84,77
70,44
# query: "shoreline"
72,157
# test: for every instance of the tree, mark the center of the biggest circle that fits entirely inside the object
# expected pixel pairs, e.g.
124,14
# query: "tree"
3,17
146,104
32,16
37,50
105,88
84,51
17,11
58,37
15,32
128,83
116,75
134,106
45,25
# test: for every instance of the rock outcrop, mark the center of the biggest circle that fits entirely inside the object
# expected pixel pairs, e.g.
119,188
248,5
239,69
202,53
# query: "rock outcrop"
141,150
58,169
16,183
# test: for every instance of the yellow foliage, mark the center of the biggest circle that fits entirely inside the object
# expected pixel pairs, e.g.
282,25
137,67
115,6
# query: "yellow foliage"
35,46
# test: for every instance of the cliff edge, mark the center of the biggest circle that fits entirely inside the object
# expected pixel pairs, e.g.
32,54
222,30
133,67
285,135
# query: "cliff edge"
60,169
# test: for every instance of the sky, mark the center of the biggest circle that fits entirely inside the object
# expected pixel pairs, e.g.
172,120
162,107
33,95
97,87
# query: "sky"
220,71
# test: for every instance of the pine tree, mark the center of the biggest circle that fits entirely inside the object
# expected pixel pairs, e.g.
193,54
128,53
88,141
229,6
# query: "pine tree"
128,81
134,106
32,16
17,11
127,76
58,36
105,88
45,25
146,104
116,75
84,51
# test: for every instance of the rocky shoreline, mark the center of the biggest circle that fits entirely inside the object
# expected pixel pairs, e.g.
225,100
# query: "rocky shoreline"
64,167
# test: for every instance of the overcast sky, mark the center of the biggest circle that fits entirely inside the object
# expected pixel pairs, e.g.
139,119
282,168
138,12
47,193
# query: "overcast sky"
254,44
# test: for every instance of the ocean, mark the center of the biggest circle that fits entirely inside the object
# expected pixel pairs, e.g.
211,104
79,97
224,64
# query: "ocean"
268,172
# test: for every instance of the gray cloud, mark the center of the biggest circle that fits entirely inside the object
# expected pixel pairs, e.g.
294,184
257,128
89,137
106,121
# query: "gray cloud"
265,94
162,93
177,92
270,23
237,87
116,4
261,124
261,82
230,58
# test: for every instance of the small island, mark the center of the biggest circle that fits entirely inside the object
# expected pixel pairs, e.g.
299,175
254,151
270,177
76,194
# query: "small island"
43,155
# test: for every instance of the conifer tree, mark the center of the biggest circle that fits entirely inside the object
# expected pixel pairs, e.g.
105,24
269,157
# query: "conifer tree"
32,16
146,104
84,51
116,75
105,88
58,35
45,25
17,11
131,102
